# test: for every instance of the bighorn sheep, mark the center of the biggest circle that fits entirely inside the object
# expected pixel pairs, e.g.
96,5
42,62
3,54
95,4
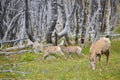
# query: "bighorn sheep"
49,50
101,46
71,49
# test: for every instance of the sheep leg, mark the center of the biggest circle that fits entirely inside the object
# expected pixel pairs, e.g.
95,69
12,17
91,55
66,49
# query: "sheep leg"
107,55
93,62
63,54
99,59
68,55
46,55
78,54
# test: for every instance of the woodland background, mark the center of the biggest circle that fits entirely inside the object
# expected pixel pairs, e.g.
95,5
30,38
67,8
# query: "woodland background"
21,20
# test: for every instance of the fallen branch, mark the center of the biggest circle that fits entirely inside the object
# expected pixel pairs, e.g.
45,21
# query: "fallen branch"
3,71
17,48
16,40
10,41
15,65
13,68
18,52
112,35
11,71
115,35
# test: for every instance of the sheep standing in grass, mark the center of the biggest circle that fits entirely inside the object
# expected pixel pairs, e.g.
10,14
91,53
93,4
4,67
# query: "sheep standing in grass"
71,49
48,50
101,46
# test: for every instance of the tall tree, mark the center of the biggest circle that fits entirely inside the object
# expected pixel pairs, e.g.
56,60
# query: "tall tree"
53,21
69,18
28,28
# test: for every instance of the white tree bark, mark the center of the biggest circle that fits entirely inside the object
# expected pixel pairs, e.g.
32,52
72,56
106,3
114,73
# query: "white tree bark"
108,18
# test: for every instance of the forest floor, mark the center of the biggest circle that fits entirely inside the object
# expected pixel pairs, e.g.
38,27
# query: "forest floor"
31,66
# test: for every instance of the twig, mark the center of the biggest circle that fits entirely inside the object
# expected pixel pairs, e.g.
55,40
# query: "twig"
15,65
3,71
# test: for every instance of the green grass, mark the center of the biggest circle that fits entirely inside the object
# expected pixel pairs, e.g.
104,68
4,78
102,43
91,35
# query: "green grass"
117,29
33,67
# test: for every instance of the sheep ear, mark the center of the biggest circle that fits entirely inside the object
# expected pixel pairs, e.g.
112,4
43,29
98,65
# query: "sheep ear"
107,36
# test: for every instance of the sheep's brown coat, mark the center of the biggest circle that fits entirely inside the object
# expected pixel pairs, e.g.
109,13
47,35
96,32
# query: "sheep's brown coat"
71,49
101,46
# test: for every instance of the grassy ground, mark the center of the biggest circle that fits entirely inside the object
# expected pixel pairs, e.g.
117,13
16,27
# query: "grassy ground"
31,66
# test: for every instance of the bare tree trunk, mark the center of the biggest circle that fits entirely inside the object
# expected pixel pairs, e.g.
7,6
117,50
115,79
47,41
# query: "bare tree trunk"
89,24
52,25
108,18
113,14
83,27
103,18
69,18
2,17
77,27
55,38
28,28
97,21
80,19
64,21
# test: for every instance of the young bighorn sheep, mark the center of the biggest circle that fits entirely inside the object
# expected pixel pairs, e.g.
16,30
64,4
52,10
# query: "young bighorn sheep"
48,50
71,49
101,46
